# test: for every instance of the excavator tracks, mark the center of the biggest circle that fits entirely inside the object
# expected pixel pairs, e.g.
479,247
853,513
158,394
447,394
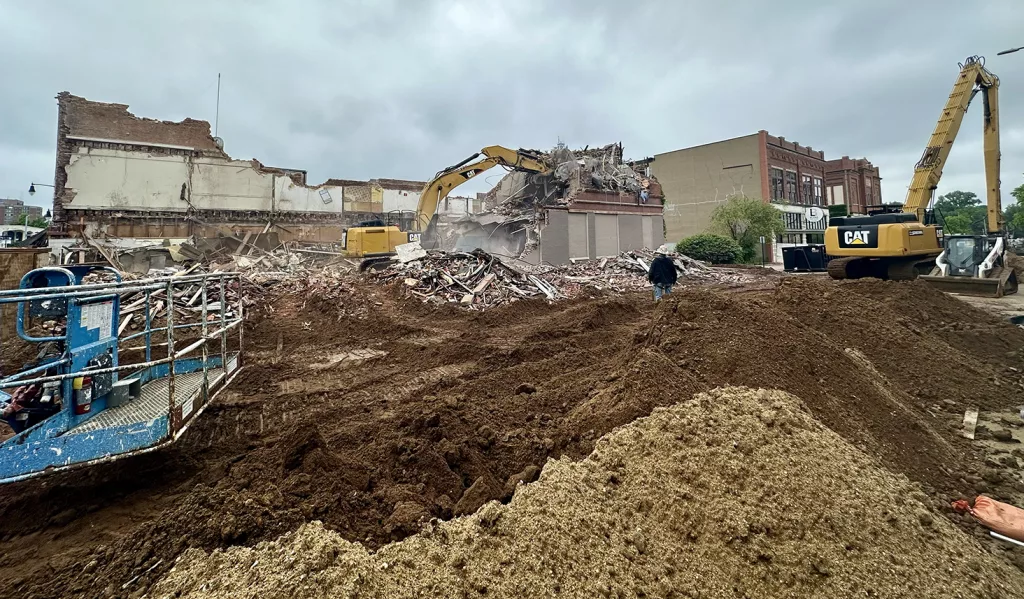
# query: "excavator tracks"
856,267
837,267
908,270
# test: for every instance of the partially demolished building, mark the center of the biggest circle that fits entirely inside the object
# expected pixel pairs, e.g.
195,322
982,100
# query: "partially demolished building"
118,175
592,205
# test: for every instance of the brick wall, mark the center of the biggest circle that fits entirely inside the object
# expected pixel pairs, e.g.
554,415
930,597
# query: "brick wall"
85,118
802,172
14,263
79,117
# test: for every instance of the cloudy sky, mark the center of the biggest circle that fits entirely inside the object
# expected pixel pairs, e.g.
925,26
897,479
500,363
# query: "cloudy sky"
401,88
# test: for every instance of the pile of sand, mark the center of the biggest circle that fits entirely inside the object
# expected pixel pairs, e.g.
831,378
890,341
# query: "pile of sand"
735,493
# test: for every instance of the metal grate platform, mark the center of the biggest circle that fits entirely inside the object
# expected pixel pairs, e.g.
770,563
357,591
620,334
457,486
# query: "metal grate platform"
152,402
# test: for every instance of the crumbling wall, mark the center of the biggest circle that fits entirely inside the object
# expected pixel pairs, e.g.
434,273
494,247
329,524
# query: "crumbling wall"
100,120
399,199
106,178
568,235
116,172
80,120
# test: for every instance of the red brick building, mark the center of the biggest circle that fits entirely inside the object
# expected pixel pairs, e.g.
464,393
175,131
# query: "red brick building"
854,182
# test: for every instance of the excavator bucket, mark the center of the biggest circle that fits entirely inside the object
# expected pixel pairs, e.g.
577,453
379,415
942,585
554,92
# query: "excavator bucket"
1001,281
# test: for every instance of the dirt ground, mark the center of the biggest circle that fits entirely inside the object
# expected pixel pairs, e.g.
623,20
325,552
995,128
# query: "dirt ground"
374,421
735,493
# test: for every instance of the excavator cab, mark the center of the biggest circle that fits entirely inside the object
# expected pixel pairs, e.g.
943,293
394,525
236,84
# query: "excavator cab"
973,265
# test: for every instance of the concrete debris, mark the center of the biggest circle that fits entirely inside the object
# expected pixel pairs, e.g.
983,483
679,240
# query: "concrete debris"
600,168
478,280
407,252
472,279
572,172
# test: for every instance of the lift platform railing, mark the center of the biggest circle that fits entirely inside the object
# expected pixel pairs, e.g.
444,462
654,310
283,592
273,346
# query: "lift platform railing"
215,323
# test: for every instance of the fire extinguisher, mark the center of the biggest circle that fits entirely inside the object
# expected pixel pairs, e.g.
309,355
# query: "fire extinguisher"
82,387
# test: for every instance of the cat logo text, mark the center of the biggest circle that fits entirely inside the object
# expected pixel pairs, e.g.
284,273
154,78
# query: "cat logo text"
857,237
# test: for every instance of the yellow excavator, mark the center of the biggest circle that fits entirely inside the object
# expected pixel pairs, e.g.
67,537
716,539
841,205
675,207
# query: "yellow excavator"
908,243
376,242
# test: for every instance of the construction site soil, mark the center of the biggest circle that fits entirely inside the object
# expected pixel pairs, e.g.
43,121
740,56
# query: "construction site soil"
375,422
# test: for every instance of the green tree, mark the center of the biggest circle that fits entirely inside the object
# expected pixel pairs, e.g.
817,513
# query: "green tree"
962,213
41,223
716,249
958,224
955,201
745,220
1011,221
1018,194
1016,226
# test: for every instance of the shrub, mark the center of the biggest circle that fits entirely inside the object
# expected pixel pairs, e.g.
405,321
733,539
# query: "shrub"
716,249
838,210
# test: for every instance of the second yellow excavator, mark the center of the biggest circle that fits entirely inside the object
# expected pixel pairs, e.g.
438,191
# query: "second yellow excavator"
376,243
909,243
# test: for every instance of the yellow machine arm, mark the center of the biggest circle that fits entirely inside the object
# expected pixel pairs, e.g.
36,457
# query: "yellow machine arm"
450,178
974,77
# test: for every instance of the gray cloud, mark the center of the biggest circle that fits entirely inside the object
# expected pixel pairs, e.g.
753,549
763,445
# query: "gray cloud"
403,88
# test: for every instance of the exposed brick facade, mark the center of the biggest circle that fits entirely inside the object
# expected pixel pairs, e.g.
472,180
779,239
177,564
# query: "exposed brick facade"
14,264
613,202
79,117
859,181
101,120
795,173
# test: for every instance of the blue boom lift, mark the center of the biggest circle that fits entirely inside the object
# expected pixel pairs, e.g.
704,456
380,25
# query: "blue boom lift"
78,403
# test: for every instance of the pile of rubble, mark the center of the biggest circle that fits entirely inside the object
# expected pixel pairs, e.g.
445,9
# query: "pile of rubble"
599,168
572,171
139,307
289,268
474,279
479,280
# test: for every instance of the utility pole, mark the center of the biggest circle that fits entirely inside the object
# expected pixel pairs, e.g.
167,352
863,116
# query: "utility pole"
216,119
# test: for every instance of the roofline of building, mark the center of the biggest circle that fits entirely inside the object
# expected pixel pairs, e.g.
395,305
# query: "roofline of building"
710,143
129,142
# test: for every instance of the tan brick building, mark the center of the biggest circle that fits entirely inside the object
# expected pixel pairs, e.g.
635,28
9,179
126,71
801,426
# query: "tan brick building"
763,166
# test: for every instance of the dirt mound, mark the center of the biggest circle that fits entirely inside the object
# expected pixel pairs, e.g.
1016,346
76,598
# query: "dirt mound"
375,423
917,305
866,370
735,493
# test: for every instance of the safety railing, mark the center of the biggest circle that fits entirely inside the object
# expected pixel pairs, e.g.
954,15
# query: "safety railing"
220,310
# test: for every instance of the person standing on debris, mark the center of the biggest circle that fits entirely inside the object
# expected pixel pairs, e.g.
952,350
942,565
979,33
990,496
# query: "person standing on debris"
662,274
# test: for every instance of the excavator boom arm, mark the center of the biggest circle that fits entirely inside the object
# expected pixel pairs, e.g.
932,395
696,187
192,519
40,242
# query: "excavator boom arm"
450,178
974,77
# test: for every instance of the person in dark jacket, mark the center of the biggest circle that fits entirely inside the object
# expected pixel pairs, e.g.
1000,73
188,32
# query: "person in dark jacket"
662,274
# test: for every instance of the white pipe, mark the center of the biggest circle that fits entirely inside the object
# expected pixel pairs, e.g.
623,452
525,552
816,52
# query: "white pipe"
1005,538
990,260
942,264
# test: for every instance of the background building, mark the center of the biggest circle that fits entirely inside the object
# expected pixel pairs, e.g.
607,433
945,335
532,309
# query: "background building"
793,177
124,176
853,182
11,211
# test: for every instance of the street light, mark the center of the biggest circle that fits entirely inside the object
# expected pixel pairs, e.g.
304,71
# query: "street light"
32,188
1009,51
